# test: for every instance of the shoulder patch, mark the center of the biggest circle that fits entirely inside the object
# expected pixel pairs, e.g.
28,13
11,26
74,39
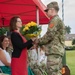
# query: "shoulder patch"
51,25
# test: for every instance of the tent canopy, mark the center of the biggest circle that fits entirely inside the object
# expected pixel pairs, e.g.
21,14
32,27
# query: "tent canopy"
26,9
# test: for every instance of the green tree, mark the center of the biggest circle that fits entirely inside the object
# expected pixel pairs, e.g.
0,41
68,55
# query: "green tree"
73,42
68,29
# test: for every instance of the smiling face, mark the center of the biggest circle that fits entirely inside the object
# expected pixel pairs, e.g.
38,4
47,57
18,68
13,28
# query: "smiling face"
5,43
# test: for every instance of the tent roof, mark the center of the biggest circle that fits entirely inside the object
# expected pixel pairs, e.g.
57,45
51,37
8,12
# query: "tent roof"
24,8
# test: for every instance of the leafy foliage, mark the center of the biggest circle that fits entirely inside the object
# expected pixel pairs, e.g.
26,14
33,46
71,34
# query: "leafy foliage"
3,31
68,29
73,42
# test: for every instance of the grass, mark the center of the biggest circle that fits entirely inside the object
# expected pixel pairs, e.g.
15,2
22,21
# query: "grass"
70,61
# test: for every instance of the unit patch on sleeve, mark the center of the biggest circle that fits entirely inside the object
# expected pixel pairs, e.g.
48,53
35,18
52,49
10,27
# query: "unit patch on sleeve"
51,25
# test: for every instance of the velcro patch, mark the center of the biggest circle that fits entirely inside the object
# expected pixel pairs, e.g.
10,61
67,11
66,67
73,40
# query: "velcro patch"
51,25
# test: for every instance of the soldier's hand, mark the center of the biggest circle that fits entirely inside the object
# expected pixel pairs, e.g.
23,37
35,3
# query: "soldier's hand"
33,39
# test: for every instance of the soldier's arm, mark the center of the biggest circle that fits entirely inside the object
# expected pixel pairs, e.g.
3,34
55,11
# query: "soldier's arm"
50,34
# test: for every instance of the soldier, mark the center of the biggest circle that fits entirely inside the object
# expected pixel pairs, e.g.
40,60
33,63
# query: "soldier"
53,40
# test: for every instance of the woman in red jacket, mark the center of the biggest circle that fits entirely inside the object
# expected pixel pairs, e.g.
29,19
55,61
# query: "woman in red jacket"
20,46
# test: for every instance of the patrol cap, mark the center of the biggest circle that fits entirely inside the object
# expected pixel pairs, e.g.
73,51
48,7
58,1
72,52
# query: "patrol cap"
52,5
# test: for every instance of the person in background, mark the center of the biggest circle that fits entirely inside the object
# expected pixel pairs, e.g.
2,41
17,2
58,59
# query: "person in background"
37,60
20,46
42,57
53,40
32,56
5,59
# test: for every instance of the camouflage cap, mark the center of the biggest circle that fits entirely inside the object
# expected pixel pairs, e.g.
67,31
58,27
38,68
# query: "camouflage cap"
52,5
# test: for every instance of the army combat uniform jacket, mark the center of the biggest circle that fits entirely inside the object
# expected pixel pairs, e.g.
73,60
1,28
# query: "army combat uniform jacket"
53,40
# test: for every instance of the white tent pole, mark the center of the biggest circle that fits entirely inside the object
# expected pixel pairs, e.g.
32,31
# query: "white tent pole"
37,15
37,19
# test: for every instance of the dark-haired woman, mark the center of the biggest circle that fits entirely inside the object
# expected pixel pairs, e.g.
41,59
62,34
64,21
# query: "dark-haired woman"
5,59
20,46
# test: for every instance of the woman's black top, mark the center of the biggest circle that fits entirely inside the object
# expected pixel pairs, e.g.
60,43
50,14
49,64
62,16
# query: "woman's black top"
18,44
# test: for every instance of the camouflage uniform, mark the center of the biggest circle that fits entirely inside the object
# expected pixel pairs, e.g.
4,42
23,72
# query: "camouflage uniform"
53,41
33,63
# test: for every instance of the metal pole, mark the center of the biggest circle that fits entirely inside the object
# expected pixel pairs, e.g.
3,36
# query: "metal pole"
63,10
64,57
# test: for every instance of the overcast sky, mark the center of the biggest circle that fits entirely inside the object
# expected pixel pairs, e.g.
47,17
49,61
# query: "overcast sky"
69,12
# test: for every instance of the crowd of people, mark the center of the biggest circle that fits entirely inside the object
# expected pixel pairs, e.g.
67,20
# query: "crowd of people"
36,56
